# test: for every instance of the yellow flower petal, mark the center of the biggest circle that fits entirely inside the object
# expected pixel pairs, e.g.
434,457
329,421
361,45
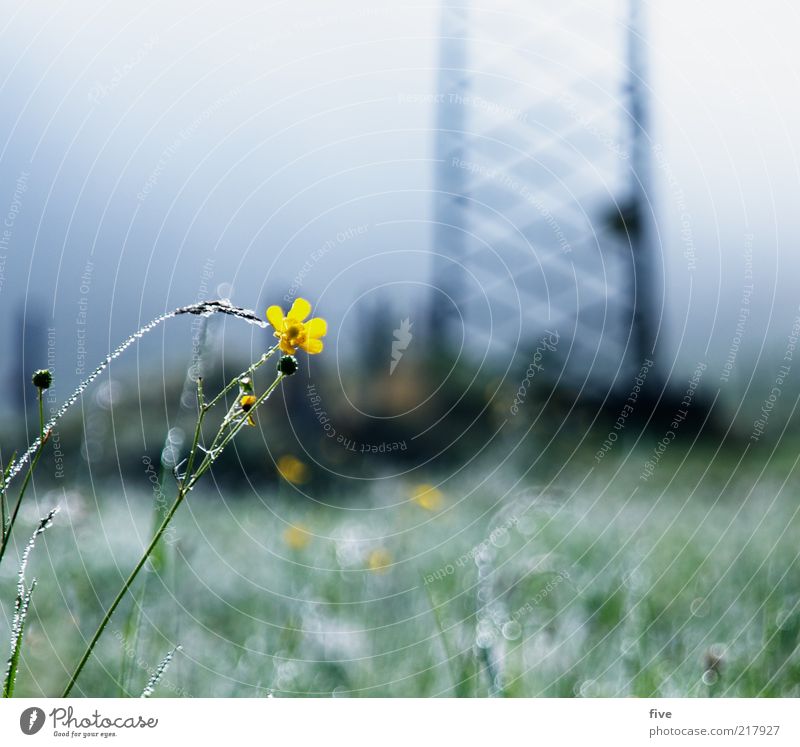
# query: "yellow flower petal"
316,327
312,346
297,536
275,317
300,309
379,560
290,468
428,497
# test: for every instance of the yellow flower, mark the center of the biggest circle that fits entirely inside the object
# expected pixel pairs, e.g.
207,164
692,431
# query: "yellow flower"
428,497
379,560
293,332
297,537
246,401
292,469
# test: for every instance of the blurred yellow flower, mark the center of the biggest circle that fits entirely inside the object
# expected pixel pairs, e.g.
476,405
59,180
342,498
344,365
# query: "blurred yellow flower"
428,497
297,537
379,560
291,469
293,332
246,402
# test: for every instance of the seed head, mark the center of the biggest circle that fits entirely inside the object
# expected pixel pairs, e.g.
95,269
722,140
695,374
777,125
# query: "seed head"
287,365
42,379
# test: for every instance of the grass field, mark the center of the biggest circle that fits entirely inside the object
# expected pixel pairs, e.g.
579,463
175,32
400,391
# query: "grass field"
594,585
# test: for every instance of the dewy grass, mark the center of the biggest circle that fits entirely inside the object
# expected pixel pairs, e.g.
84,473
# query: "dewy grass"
152,683
231,424
41,380
205,308
292,333
131,630
21,606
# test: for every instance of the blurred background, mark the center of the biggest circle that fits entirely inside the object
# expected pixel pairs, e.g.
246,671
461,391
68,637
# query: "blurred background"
555,245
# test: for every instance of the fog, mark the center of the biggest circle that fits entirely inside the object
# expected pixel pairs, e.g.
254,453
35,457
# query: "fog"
155,155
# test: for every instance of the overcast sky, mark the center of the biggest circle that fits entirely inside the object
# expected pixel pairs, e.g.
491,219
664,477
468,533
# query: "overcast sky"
152,153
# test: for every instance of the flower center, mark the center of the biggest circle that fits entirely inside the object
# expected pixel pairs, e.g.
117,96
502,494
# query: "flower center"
293,331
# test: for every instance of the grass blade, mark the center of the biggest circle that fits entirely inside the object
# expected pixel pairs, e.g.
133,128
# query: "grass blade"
152,683
21,608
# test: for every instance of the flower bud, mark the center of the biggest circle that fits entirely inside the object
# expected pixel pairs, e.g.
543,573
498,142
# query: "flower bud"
246,402
42,379
287,365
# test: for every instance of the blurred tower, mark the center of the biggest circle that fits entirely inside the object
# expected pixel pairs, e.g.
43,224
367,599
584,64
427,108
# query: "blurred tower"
640,229
452,139
542,205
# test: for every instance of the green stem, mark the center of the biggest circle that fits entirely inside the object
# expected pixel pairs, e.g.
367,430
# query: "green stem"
123,591
198,429
28,475
133,621
4,471
217,446
188,481
249,372
451,657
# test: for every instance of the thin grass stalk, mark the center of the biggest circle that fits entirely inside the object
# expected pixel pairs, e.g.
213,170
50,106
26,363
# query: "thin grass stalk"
451,657
193,378
186,483
3,509
21,608
205,308
42,441
152,683
122,592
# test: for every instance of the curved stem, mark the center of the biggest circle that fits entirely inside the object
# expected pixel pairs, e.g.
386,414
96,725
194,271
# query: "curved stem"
186,484
202,308
42,440
221,440
123,591
249,372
